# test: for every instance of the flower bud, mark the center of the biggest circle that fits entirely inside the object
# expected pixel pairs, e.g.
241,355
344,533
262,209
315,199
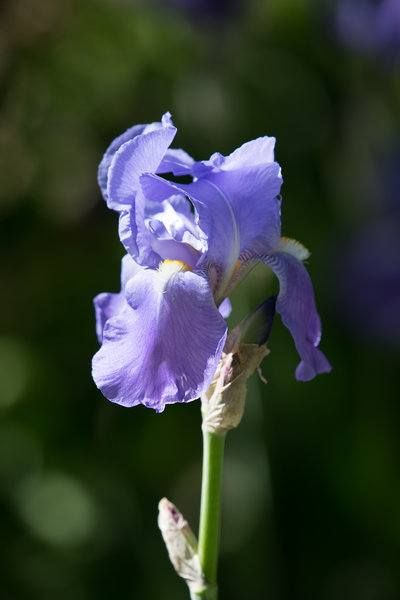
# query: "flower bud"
256,327
181,544
223,403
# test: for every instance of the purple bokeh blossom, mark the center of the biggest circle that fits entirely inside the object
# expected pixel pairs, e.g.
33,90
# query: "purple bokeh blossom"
370,26
218,9
188,245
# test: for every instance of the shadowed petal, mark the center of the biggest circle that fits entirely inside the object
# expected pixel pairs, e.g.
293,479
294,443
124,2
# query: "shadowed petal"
156,230
134,234
165,345
108,305
296,305
176,161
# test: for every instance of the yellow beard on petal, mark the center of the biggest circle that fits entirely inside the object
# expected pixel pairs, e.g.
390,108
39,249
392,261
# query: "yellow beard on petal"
167,270
293,247
238,264
172,267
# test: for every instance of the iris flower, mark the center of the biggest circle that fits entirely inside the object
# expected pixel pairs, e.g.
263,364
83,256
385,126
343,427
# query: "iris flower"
188,245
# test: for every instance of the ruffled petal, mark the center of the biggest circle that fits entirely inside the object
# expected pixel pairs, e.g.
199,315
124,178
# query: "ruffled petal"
174,221
139,155
156,230
134,234
108,305
102,174
164,346
296,305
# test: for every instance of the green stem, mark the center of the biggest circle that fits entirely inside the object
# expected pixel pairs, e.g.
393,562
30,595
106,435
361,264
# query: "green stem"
209,593
210,507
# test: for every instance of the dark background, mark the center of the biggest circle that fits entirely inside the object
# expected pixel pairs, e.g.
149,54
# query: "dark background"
311,487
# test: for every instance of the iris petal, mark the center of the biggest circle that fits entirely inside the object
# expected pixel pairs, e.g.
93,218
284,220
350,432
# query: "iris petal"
155,230
134,234
164,346
296,305
254,153
238,209
139,155
108,305
102,175
176,161
252,193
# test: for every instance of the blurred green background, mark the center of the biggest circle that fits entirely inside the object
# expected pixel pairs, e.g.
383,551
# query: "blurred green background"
312,486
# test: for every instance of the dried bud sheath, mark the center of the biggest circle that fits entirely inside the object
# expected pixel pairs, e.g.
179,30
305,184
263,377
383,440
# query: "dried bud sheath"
181,544
223,403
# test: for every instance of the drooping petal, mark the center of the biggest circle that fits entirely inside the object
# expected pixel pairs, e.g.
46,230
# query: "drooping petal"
139,155
164,346
296,305
108,305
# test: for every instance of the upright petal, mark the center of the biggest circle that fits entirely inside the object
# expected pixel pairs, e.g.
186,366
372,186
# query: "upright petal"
256,152
108,305
102,174
250,181
139,155
296,305
214,214
236,200
165,344
253,195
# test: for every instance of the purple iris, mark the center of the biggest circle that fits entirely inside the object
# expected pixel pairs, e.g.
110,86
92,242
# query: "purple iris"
369,25
188,245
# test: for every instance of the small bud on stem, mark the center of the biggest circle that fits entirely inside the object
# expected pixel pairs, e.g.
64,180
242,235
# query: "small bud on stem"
223,403
181,544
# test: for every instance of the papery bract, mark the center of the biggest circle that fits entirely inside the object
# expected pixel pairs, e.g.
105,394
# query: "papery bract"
188,245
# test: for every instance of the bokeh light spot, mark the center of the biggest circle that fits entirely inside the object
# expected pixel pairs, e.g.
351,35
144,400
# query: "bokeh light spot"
57,509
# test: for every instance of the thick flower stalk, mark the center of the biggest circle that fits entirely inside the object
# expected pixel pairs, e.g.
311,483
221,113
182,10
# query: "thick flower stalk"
188,245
